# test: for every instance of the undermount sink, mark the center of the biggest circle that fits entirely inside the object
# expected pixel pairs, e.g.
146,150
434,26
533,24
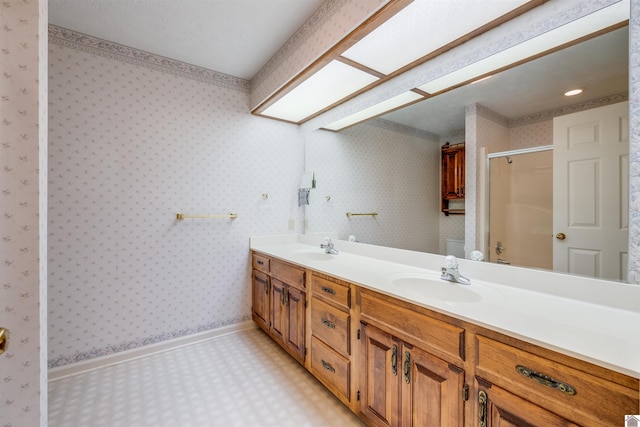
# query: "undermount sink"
432,286
315,256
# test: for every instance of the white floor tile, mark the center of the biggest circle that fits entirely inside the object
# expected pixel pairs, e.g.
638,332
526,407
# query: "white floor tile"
242,379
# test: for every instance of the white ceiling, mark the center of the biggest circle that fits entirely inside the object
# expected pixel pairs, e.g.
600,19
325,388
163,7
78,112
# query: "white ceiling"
599,65
238,37
235,37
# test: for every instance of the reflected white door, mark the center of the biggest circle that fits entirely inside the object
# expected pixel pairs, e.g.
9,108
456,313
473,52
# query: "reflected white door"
590,201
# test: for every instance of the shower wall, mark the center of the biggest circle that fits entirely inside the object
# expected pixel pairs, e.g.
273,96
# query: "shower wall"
521,208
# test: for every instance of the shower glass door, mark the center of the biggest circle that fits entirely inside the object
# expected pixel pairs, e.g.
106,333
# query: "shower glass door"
521,208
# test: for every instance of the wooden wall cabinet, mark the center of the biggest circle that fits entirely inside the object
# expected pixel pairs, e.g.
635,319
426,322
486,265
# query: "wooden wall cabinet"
453,170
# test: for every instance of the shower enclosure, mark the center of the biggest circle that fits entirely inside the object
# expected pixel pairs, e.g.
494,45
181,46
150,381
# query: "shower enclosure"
521,207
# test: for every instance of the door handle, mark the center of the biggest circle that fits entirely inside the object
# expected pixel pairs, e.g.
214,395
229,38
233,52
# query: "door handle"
561,236
4,339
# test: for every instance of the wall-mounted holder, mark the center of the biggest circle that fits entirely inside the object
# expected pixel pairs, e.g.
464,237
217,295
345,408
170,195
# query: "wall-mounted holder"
303,196
307,182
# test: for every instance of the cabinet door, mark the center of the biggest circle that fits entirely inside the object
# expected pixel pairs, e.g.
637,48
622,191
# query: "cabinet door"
260,299
278,310
379,385
498,407
453,173
431,390
295,307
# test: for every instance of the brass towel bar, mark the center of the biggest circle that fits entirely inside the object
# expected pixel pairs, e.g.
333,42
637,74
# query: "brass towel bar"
184,216
349,214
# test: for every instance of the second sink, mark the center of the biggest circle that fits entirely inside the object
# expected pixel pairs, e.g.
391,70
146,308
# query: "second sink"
431,286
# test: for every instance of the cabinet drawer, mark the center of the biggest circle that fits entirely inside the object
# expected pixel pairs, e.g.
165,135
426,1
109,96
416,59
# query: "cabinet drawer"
331,325
569,392
333,291
331,368
444,339
288,273
260,263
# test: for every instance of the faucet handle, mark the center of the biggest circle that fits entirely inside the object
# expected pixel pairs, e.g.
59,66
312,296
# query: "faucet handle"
451,261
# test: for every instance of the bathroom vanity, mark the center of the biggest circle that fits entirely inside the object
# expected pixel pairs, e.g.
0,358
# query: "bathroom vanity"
399,346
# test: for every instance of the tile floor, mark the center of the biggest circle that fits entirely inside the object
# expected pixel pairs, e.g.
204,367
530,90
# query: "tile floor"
241,379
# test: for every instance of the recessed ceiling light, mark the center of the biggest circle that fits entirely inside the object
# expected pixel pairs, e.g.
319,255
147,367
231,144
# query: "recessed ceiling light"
573,92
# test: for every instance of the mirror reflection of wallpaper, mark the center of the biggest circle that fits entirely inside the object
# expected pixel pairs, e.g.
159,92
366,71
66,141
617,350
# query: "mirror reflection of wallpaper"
130,147
374,168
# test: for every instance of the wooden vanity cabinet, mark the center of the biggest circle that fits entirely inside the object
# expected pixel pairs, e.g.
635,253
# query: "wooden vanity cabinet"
279,303
395,363
261,292
331,338
402,381
519,381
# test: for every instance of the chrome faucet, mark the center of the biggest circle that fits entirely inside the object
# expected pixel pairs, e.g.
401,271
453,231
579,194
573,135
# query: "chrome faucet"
451,273
328,246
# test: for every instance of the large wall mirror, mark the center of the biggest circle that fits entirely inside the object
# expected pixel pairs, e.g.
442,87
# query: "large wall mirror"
390,166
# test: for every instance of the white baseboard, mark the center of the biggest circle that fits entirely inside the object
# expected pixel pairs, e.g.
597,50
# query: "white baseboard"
147,350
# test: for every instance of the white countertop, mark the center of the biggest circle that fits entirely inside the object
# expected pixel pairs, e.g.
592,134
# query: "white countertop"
593,320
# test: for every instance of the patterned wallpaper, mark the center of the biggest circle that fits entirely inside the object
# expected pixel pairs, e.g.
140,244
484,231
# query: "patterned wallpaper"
23,373
129,147
376,167
23,124
634,142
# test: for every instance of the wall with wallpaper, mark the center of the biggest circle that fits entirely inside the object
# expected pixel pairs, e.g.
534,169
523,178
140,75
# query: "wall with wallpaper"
129,147
23,146
376,167
132,144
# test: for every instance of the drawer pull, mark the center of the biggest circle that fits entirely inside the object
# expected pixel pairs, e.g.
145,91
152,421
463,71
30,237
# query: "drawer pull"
326,365
545,380
260,262
328,290
394,360
328,324
407,367
482,409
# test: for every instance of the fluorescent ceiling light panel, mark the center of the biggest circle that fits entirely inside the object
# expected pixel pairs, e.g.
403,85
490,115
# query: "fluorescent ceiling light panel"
416,31
589,24
375,110
329,85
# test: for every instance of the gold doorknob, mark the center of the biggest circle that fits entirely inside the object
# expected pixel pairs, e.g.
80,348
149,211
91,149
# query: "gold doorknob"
561,236
4,340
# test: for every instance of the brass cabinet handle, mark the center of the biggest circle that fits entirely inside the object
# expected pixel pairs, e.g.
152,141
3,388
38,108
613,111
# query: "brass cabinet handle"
561,236
394,360
407,367
482,409
328,290
4,340
327,323
326,365
282,297
546,380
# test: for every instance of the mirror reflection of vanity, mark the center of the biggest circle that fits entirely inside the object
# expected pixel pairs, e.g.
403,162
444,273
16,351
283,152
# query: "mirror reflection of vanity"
391,165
